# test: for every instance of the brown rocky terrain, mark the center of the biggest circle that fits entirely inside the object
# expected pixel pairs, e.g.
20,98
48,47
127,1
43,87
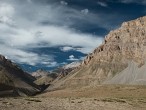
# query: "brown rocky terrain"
39,73
44,77
132,75
128,43
14,82
66,69
113,97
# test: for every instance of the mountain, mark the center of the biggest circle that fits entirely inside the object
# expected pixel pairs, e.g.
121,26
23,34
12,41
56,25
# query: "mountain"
63,72
14,82
72,65
46,78
66,69
43,77
127,43
39,73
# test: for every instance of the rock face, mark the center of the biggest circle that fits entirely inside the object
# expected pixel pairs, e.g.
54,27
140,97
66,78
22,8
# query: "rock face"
14,82
119,47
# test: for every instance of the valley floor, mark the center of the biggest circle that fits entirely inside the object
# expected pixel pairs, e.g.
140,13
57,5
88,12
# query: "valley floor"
97,98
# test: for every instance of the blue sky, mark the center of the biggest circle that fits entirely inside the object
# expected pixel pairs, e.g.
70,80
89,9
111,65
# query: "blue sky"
50,33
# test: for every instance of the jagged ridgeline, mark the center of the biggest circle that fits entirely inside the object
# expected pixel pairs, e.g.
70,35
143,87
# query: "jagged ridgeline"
127,43
15,82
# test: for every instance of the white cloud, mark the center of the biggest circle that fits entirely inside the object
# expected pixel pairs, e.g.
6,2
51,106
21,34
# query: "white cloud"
6,13
51,64
85,11
22,56
103,4
21,29
66,48
49,36
72,58
63,3
143,2
33,25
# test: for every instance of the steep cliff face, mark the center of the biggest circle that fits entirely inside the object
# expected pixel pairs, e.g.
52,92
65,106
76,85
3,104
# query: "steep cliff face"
118,48
127,42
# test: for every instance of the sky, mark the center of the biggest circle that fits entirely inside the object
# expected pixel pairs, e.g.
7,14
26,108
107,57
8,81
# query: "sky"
46,34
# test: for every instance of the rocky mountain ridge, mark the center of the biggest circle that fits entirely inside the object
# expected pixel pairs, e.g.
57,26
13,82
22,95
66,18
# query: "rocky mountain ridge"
45,77
14,81
131,35
118,48
40,73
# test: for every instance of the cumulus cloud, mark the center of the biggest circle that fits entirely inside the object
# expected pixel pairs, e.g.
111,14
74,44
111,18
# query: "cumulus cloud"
72,58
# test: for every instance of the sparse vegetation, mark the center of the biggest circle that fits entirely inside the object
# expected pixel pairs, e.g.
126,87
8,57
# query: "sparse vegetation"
113,100
33,100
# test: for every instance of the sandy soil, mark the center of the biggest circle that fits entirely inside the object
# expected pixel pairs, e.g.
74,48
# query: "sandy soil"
99,98
66,104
